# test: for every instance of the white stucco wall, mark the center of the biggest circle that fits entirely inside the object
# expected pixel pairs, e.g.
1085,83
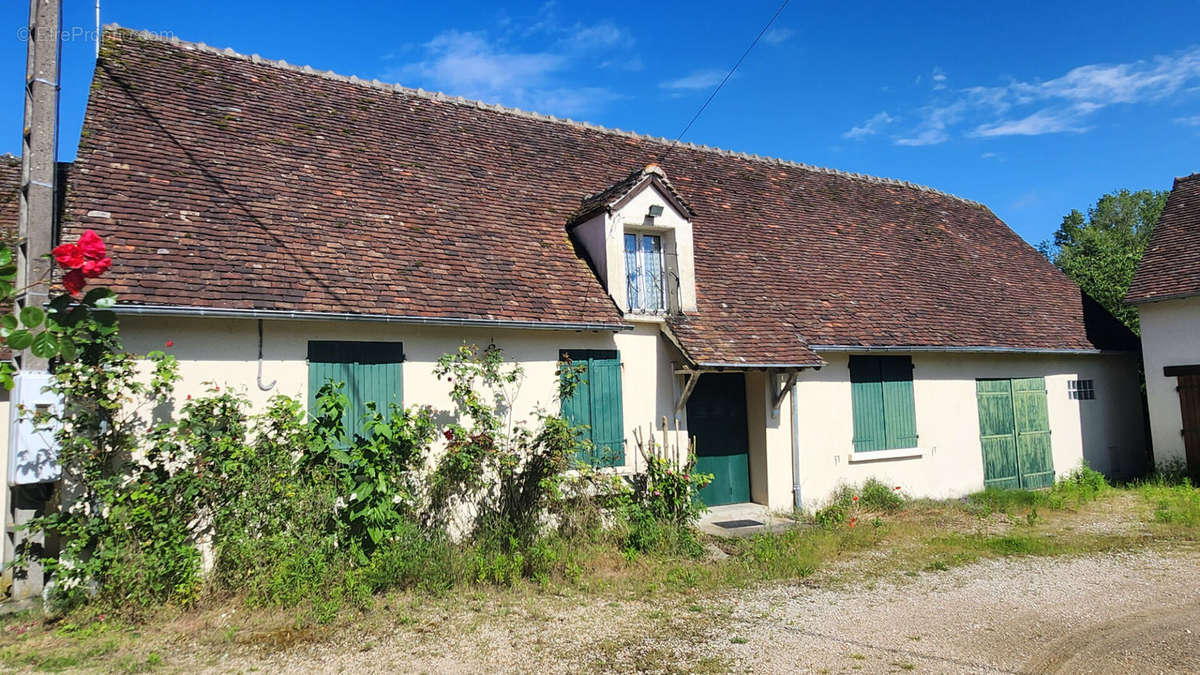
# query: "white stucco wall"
1107,431
224,352
1170,337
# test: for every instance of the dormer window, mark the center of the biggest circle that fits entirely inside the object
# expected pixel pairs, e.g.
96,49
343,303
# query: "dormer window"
645,278
637,235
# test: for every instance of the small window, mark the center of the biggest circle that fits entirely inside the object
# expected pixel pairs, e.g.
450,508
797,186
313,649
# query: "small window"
1081,390
644,277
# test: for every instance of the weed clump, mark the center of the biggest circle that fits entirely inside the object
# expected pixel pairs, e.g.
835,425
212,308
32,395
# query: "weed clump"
850,502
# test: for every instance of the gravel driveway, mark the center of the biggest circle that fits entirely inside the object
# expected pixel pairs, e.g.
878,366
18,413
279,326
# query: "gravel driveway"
1117,613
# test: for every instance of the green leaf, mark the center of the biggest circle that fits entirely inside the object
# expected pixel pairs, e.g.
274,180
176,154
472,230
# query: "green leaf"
60,304
44,346
96,295
32,316
66,349
9,322
105,317
107,302
5,256
340,457
19,339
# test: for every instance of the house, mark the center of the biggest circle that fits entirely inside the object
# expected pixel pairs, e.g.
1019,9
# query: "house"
1166,291
808,327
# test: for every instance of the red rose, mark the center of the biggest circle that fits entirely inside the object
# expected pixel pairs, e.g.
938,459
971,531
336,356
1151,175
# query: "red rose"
91,245
855,499
170,343
68,256
853,521
74,281
94,268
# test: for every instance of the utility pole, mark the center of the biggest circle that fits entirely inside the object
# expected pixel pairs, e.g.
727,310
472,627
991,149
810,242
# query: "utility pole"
36,234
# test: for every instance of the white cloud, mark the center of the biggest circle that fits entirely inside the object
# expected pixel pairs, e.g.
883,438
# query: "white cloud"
604,34
1193,121
1031,198
938,77
935,120
870,127
701,79
468,64
778,36
1045,121
475,64
1064,104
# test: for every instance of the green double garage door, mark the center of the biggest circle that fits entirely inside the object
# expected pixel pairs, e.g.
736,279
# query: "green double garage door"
1014,430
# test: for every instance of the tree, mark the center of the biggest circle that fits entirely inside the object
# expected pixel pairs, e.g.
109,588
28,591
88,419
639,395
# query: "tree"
1101,251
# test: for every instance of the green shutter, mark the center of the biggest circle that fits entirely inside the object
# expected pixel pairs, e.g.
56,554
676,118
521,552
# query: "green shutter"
596,404
899,409
370,371
1014,432
996,434
882,399
866,393
1032,420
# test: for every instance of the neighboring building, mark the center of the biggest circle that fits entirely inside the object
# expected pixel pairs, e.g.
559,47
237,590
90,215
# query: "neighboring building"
1166,290
280,224
10,184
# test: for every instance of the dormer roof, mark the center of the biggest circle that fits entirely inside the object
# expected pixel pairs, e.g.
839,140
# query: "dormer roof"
618,194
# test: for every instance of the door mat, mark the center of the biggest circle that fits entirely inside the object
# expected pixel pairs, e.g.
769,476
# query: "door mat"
734,524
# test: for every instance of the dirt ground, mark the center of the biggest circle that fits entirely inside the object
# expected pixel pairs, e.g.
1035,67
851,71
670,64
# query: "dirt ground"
1112,613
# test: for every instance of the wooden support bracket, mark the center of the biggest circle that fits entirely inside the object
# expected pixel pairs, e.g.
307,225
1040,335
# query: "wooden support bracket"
689,384
777,396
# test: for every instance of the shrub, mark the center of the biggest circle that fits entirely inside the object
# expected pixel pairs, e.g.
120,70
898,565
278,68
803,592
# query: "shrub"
850,502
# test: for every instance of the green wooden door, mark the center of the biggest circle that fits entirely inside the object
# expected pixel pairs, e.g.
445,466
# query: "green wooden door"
716,419
997,434
1033,432
1014,432
596,405
369,371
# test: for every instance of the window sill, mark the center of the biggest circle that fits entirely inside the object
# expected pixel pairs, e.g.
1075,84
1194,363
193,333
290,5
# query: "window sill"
883,455
645,317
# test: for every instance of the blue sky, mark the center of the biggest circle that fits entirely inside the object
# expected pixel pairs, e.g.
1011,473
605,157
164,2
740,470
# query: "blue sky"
1028,108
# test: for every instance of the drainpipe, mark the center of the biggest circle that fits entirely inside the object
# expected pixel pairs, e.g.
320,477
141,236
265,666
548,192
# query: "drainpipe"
796,499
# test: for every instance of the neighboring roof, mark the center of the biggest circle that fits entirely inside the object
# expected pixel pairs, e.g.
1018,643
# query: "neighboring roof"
10,187
226,181
1170,267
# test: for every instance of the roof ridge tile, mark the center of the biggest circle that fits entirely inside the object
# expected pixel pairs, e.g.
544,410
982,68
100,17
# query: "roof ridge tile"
229,52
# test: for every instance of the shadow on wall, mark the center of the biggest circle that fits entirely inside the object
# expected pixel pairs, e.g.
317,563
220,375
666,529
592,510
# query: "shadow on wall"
1113,444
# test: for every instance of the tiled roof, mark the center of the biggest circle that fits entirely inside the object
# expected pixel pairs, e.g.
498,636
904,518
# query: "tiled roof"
227,181
1170,267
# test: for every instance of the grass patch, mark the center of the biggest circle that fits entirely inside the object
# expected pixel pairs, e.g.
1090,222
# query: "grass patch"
1172,499
442,579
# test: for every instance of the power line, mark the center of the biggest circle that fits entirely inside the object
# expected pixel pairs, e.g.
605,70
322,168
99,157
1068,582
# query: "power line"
728,75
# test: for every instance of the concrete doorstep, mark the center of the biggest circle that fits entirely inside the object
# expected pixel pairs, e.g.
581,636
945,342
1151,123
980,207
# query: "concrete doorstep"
742,520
